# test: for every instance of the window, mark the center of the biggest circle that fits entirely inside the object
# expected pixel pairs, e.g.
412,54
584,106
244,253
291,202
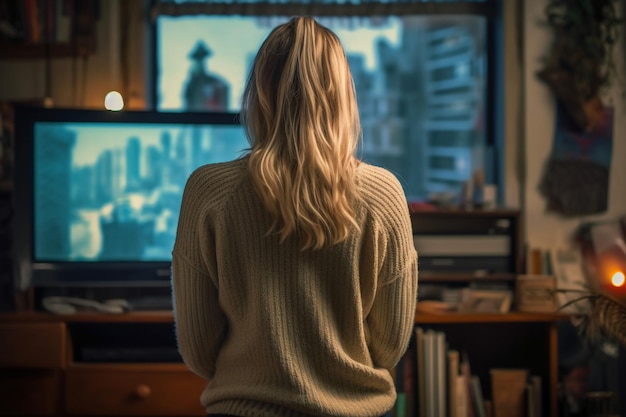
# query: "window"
424,74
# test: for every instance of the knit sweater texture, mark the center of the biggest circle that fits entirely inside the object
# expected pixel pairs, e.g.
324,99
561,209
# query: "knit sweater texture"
278,331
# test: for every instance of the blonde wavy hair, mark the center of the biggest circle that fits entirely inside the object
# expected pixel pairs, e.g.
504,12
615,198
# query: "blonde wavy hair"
300,114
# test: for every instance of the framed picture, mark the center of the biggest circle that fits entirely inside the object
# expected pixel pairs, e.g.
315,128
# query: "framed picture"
485,301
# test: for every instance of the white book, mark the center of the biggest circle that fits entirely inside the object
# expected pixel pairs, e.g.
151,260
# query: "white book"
429,359
462,399
421,372
441,373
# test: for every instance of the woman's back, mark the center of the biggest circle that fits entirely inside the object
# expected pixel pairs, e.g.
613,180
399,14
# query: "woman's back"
312,331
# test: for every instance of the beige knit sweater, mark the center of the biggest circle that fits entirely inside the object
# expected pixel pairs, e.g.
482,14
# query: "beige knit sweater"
281,332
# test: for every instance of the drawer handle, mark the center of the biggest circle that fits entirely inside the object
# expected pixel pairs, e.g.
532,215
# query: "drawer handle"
143,391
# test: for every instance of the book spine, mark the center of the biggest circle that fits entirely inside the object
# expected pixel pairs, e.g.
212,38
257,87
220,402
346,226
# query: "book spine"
421,372
453,372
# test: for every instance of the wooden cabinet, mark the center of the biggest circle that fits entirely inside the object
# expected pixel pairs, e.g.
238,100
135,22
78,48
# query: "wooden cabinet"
32,345
45,372
133,390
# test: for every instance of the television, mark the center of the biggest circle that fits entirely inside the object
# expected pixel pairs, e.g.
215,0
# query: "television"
423,84
97,193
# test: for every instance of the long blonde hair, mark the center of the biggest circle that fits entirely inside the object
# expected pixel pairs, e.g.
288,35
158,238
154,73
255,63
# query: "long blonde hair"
300,114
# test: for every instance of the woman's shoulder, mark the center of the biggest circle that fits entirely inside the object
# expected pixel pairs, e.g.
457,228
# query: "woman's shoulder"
382,196
372,178
215,181
218,173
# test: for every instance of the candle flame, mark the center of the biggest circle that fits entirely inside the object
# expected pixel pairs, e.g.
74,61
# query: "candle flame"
618,279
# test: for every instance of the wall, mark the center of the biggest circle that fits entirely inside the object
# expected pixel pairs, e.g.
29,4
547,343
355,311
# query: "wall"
78,82
546,230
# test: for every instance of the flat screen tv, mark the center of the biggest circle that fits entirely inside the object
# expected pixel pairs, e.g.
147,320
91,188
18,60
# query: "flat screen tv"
97,193
422,84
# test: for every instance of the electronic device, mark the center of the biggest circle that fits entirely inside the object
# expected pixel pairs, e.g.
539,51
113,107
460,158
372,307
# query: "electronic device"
421,83
97,193
466,253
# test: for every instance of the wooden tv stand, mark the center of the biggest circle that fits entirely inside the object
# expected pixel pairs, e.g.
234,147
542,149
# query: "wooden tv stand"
46,368
43,370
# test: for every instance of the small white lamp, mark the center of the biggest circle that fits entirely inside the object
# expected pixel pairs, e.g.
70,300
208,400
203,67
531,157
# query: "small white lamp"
113,101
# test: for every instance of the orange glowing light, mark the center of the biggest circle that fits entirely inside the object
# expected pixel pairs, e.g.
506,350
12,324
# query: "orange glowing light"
618,279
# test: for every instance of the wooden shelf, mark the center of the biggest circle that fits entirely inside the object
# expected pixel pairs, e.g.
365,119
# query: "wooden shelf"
88,317
41,50
167,317
451,277
512,317
128,367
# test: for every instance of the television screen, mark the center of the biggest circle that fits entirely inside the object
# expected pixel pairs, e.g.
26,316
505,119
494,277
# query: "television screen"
103,189
421,83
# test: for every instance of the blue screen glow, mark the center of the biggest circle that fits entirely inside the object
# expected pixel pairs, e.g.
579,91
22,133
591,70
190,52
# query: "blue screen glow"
112,192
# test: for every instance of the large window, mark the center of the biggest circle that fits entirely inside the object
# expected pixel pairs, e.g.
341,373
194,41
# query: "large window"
422,75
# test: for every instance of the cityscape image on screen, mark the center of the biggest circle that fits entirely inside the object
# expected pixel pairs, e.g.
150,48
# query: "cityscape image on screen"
112,192
420,84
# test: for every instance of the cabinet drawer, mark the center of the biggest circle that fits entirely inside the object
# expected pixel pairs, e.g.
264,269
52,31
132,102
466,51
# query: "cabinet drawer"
29,393
32,345
134,392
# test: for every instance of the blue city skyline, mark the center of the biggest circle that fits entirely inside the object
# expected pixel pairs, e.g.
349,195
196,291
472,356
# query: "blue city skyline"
117,188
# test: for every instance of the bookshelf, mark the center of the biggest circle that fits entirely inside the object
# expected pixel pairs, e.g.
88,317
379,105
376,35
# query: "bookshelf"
511,340
522,341
45,29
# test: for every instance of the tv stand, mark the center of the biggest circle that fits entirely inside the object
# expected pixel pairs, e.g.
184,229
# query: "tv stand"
68,362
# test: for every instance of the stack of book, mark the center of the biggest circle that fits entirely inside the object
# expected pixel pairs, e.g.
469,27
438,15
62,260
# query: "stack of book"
435,380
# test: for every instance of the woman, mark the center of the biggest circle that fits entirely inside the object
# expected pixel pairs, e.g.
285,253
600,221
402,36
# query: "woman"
294,269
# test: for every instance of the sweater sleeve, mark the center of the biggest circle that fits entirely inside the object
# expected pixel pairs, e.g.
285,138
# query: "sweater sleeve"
392,315
200,323
199,320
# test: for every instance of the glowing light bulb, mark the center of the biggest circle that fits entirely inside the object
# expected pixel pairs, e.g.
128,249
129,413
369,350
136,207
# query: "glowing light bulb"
618,279
113,101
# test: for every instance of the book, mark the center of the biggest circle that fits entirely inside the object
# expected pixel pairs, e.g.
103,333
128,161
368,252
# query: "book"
536,387
398,376
508,390
453,373
477,397
530,401
409,379
421,373
466,374
462,398
430,398
441,375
